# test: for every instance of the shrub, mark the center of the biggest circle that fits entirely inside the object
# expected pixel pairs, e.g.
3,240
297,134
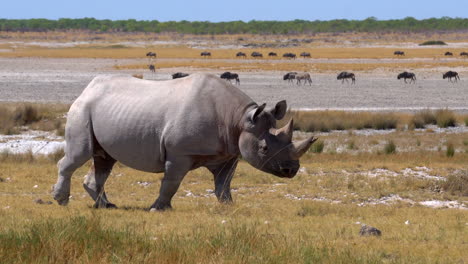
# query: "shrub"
450,150
317,147
433,42
445,118
390,148
26,114
423,118
457,184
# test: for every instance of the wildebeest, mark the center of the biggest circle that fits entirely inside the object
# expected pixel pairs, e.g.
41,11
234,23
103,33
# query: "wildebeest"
464,53
399,53
230,76
175,126
303,77
205,54
407,75
272,54
345,76
289,55
290,76
152,68
305,54
450,75
151,54
256,54
241,54
178,75
448,53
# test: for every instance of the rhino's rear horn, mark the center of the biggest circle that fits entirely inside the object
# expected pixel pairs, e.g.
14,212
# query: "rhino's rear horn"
286,131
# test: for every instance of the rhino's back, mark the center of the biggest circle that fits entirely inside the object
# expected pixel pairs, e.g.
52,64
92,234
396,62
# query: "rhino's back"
140,122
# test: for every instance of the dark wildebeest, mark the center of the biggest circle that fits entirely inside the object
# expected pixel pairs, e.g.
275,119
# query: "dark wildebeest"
399,53
303,77
448,53
152,68
407,75
230,76
450,75
205,54
151,54
305,54
345,76
272,54
241,54
290,76
289,55
178,75
256,54
464,54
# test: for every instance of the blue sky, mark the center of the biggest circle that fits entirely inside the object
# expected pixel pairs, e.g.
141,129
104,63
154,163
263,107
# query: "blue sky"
246,10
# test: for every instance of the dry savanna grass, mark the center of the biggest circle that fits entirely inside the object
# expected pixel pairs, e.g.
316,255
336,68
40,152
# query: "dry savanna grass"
287,66
312,218
15,117
264,225
177,51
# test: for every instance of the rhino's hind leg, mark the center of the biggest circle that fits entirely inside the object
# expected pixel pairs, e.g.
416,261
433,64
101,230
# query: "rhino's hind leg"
77,152
97,176
223,174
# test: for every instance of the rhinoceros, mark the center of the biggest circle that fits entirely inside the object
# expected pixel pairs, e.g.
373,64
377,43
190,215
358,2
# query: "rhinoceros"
173,127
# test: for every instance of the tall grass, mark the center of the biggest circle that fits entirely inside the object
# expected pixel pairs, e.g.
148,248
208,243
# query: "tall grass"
423,118
325,121
46,117
445,118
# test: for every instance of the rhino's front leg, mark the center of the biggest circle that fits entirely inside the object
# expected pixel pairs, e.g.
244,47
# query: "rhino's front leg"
175,170
223,174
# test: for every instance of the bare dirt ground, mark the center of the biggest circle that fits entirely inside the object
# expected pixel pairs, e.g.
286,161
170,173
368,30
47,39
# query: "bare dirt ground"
62,80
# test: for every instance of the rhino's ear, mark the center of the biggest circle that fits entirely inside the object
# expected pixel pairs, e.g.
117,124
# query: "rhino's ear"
256,112
280,110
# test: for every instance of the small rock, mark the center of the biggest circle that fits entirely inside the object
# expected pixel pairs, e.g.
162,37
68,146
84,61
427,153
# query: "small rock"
369,231
35,186
153,210
40,201
223,221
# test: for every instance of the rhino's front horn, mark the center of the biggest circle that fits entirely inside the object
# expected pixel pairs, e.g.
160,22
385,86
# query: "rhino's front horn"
302,146
287,130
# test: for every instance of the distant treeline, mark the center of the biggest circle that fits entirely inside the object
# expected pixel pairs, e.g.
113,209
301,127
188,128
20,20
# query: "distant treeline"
370,24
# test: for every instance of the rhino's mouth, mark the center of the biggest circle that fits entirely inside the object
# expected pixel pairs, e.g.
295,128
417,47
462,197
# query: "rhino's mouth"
287,169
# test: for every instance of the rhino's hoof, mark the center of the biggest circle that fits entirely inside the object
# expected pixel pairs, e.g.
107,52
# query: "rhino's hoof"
104,205
160,207
62,202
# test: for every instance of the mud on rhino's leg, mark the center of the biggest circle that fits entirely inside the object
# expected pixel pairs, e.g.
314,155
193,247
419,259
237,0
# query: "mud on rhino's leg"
175,170
96,178
223,174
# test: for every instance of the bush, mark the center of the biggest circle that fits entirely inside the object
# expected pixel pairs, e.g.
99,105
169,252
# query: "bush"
390,148
423,118
26,114
450,150
445,118
317,147
457,184
433,42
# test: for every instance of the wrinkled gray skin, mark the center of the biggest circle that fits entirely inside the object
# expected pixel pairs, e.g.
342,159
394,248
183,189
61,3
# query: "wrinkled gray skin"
172,127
